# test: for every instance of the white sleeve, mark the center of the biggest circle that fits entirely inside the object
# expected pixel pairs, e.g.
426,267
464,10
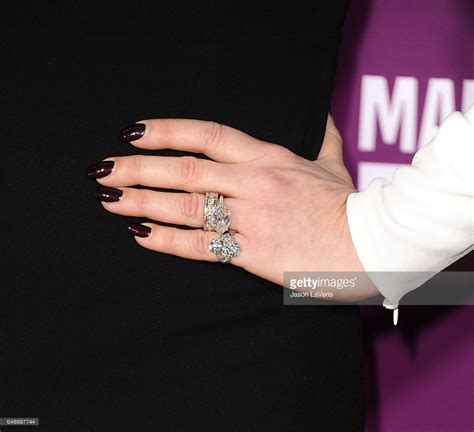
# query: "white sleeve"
423,220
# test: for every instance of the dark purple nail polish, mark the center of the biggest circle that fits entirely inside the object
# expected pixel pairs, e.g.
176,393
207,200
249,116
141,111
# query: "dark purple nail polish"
107,194
139,230
132,132
100,169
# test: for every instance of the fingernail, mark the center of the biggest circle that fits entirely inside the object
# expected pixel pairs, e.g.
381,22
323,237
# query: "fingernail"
139,230
100,169
109,194
132,132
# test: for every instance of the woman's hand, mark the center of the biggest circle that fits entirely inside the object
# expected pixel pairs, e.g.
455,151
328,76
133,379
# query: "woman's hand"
288,213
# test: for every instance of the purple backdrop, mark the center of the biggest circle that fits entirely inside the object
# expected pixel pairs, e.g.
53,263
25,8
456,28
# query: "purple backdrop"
404,66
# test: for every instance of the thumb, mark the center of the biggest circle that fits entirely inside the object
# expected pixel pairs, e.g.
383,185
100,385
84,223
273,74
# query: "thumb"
331,149
331,156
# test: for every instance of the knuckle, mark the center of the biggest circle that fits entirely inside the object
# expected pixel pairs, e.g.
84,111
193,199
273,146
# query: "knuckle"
275,178
212,133
199,242
137,166
189,204
167,242
189,169
143,200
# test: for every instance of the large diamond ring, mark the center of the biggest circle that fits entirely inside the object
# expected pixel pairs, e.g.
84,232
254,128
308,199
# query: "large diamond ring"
216,214
225,247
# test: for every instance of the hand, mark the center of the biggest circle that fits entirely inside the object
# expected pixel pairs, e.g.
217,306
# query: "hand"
288,213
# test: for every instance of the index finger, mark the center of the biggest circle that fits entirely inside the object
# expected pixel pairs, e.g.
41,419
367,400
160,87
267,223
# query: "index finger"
218,142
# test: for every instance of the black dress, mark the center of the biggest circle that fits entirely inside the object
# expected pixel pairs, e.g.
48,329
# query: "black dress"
99,334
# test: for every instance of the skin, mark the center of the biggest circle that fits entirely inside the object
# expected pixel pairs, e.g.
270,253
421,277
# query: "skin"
288,213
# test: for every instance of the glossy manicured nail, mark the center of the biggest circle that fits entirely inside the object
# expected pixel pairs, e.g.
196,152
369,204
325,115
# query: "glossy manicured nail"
107,194
139,230
132,132
100,169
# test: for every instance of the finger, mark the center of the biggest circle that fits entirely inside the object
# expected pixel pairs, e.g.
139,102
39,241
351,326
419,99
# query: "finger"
192,244
186,173
174,208
219,142
331,148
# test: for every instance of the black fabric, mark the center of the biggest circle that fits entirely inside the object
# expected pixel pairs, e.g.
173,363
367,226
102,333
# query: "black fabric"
99,334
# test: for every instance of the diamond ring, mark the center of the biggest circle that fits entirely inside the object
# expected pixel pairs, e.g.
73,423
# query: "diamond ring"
225,247
216,214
